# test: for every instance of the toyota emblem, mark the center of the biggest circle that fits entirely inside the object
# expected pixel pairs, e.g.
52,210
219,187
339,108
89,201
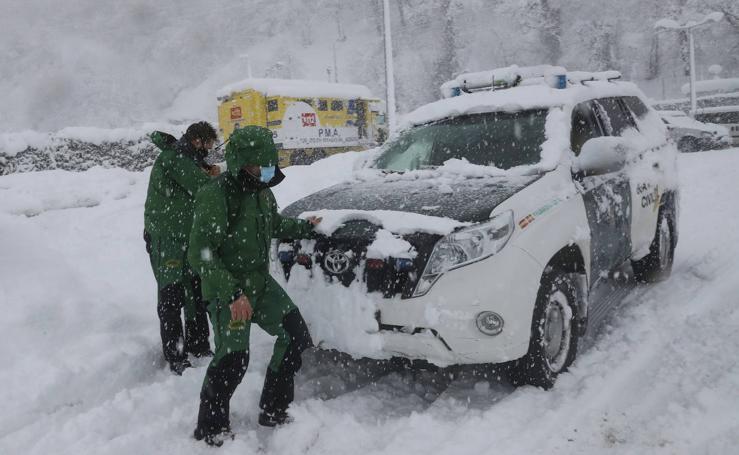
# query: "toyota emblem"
336,262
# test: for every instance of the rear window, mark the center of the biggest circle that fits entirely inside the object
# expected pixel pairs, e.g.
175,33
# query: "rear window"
638,108
618,118
585,126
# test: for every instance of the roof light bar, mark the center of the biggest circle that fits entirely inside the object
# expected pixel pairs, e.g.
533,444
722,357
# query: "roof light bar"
512,76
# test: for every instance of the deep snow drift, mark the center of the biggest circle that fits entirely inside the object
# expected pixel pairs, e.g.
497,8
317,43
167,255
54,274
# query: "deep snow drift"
82,374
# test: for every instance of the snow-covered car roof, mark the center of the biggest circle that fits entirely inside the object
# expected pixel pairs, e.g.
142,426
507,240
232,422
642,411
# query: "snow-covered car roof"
718,109
518,98
713,86
671,113
297,88
680,119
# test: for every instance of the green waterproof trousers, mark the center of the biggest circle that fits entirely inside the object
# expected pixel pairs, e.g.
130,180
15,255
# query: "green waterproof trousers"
270,308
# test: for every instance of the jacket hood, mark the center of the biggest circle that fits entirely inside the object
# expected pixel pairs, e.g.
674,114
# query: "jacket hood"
250,145
163,140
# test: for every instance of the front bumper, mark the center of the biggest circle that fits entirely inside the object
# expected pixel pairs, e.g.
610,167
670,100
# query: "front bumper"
440,327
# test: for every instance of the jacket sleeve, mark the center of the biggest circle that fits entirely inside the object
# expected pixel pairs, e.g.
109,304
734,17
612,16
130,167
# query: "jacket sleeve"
209,230
184,171
289,228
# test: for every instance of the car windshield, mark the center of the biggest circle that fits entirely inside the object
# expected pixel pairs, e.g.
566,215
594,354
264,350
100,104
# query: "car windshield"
500,139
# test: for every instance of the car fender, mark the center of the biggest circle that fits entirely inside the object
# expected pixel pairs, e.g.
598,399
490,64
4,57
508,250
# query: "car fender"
549,216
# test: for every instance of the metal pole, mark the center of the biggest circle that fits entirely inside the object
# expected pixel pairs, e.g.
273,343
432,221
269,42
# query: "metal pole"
336,67
389,72
693,102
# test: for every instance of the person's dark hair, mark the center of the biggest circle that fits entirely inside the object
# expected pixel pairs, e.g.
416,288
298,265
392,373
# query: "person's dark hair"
201,130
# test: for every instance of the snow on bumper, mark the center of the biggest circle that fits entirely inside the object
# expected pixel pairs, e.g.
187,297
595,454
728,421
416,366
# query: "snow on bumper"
439,327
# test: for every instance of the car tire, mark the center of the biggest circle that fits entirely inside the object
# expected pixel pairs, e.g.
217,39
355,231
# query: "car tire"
657,265
554,333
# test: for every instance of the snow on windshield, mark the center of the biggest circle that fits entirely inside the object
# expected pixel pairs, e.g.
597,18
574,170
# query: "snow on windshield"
499,139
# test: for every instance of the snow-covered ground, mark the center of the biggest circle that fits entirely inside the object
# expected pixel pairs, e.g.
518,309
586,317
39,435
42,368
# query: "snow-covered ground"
81,370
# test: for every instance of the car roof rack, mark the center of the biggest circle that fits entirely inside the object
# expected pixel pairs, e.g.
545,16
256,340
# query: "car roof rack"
513,76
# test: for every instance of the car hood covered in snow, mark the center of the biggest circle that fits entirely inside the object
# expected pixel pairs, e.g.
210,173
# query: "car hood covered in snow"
465,200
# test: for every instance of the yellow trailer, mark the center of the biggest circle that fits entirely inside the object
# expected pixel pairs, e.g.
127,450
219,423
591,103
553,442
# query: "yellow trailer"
309,119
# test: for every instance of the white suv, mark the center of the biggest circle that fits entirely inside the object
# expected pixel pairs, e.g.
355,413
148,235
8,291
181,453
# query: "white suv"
484,231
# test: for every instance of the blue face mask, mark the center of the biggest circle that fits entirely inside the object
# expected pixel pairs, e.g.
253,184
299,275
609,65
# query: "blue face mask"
268,172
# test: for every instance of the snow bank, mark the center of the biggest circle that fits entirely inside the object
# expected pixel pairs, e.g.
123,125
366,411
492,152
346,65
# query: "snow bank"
13,143
297,88
60,190
301,181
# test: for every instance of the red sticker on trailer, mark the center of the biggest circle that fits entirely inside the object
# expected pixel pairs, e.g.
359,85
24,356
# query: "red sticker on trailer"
235,113
308,118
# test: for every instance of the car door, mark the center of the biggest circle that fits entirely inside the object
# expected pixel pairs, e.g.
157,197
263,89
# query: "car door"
607,198
647,177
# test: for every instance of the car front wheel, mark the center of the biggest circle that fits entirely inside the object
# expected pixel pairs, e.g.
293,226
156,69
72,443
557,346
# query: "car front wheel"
554,334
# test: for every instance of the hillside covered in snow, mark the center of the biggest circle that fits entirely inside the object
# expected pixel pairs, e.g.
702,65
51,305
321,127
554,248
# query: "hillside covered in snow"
121,64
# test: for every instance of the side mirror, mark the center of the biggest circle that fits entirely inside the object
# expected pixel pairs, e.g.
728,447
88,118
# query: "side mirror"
601,155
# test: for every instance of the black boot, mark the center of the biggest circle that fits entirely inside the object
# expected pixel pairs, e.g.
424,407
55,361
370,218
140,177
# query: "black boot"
220,384
171,299
179,366
277,394
279,386
213,439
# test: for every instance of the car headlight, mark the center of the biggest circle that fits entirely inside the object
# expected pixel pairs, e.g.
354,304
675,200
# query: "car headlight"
466,246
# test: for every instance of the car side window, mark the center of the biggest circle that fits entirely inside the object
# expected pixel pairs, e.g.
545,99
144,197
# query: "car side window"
637,106
617,116
585,125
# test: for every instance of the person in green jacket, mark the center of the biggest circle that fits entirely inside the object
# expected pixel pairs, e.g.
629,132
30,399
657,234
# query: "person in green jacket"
235,220
178,172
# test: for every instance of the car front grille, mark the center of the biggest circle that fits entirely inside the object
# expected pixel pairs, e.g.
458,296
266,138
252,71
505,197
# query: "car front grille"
342,258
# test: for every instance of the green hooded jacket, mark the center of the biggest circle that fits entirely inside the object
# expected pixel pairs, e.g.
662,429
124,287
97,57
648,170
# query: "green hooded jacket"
174,181
236,219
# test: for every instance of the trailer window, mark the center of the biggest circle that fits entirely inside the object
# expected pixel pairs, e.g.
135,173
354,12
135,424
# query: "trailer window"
272,105
337,105
322,105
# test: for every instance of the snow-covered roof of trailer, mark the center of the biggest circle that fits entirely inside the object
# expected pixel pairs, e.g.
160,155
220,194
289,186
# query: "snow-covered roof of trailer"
298,88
